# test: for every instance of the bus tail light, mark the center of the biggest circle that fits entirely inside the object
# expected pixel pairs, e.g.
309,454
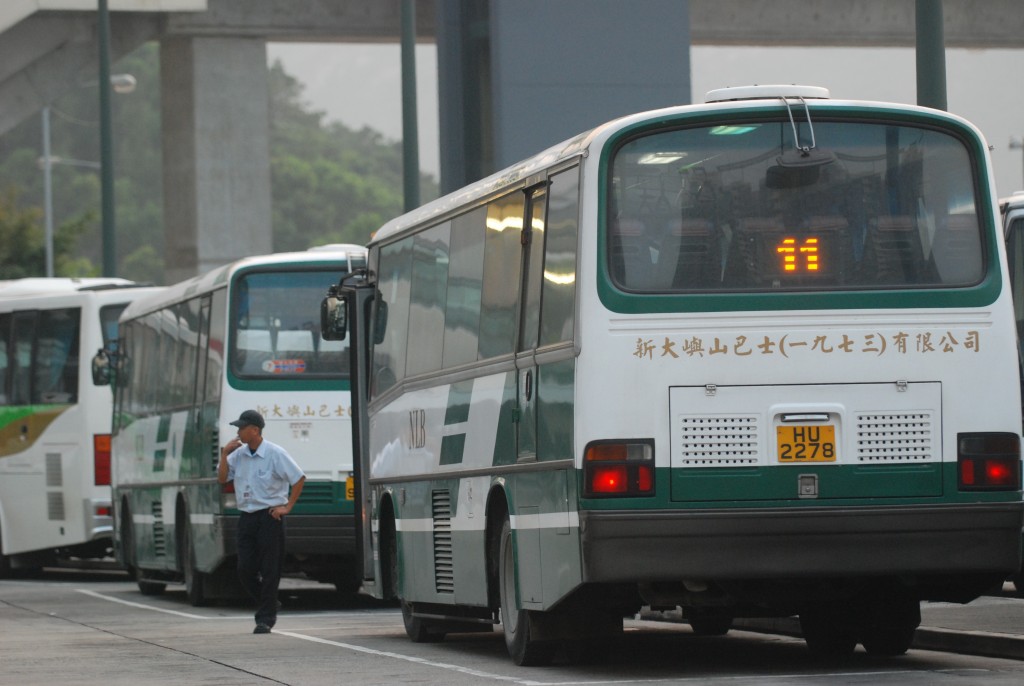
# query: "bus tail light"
227,495
101,459
988,462
619,469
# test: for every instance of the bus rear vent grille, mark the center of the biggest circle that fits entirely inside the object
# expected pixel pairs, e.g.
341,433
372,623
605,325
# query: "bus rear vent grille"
54,471
895,436
444,575
718,441
317,493
55,506
159,537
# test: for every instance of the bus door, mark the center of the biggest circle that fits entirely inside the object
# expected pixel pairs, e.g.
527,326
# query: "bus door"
358,295
198,430
529,322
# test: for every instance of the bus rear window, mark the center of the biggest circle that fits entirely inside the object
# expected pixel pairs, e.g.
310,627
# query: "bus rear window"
739,208
276,327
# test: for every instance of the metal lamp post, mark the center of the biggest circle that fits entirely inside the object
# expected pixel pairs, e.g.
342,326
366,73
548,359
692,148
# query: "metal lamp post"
121,83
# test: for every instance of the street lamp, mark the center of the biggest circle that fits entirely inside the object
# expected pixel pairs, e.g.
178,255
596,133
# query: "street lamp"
1016,144
120,83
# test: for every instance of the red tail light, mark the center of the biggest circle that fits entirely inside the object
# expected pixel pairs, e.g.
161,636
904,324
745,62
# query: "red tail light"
619,469
988,462
101,459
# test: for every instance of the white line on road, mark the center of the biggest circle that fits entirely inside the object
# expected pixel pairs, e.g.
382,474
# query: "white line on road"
761,679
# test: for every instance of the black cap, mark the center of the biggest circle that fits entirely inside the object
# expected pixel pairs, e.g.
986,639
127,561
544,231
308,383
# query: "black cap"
249,418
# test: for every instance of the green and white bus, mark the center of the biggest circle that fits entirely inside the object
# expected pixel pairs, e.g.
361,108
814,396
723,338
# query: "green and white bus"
1012,209
745,358
189,360
54,423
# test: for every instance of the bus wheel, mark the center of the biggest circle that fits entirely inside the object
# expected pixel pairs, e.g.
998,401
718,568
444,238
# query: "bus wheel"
524,650
419,630
890,626
828,633
705,622
195,581
1018,583
151,587
5,562
127,542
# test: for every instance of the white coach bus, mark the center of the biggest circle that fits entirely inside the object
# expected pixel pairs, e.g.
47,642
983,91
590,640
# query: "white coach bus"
188,361
746,358
54,423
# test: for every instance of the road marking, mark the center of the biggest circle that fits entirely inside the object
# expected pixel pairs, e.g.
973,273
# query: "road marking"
760,679
190,615
413,658
129,603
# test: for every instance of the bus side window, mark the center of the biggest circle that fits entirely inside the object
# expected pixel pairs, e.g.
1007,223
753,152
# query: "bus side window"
5,338
56,356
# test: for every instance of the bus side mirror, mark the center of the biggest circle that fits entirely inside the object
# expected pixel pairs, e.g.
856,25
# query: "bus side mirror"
101,368
333,323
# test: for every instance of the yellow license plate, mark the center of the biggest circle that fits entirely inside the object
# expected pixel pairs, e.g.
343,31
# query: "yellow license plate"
806,443
350,488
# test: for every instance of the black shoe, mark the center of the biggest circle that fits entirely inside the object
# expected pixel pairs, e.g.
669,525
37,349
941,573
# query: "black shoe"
261,629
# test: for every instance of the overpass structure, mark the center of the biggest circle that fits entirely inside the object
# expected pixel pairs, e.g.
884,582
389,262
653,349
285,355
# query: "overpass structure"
214,90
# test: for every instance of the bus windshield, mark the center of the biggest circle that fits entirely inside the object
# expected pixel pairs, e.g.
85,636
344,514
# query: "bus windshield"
740,208
276,335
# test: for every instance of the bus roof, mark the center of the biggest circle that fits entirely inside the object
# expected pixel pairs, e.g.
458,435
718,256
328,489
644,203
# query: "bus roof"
47,286
219,276
722,100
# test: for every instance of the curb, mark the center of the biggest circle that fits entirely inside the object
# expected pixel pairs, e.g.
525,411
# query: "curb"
983,643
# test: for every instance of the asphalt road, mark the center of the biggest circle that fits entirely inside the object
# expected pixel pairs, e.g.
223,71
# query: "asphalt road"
96,629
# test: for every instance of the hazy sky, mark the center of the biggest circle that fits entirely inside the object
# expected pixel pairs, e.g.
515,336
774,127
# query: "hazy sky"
360,85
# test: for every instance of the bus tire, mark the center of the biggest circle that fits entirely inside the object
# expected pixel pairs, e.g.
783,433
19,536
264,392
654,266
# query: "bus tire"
516,623
5,562
828,633
419,630
389,555
195,581
889,628
124,525
151,587
705,622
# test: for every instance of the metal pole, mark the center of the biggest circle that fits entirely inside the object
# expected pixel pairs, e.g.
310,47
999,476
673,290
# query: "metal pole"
106,146
47,191
931,55
410,136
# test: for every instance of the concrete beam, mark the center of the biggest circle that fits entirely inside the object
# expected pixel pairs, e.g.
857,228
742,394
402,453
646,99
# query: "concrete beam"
860,23
350,21
47,54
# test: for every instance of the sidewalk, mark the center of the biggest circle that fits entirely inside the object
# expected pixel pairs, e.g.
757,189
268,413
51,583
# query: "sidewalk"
992,626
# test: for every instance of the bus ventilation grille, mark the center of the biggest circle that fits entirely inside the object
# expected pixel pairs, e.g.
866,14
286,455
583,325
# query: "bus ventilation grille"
55,506
159,537
718,441
895,436
444,575
54,471
317,493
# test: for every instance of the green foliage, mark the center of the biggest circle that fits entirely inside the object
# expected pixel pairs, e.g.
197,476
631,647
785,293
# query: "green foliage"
330,184
21,249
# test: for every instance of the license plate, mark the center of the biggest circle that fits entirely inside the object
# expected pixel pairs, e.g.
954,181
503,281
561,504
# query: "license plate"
806,443
350,488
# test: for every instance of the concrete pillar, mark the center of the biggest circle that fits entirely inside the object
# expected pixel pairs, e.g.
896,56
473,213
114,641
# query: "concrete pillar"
216,131
560,68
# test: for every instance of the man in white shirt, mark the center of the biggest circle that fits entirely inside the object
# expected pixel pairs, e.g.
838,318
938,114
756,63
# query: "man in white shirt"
268,482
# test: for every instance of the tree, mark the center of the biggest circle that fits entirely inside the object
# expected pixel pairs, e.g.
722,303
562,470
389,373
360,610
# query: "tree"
330,184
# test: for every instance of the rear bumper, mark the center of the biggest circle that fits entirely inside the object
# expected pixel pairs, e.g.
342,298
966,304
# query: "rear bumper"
620,546
306,535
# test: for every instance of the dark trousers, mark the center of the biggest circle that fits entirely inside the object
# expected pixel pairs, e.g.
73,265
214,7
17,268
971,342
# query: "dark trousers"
260,556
